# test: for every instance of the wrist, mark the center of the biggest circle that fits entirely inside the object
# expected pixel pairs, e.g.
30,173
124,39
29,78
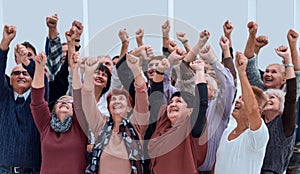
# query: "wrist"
184,42
288,65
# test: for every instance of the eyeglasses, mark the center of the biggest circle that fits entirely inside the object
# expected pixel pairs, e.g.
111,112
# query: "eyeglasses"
16,73
152,64
64,101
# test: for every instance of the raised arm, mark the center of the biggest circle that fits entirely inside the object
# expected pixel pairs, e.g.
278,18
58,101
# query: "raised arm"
191,55
260,42
249,49
38,105
165,33
198,118
139,34
292,37
227,58
181,36
227,29
124,37
251,106
289,112
53,46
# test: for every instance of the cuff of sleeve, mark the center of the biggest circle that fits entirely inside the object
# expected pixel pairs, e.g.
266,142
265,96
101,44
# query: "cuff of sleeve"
140,88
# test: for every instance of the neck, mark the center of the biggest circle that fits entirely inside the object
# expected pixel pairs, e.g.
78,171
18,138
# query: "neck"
116,125
98,91
270,115
62,116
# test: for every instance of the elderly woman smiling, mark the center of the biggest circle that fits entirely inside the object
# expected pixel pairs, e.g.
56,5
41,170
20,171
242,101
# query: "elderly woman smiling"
117,138
63,142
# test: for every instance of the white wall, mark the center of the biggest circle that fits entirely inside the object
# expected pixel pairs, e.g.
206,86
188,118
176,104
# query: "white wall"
105,18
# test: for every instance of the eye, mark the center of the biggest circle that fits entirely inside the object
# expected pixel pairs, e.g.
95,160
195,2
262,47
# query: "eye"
274,71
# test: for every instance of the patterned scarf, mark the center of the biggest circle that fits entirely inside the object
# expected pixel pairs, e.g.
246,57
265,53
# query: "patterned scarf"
59,126
133,146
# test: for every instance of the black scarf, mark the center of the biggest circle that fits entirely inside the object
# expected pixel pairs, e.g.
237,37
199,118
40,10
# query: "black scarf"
133,146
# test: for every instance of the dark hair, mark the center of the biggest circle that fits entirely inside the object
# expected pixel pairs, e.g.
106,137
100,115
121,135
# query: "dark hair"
29,45
187,97
119,92
104,69
115,57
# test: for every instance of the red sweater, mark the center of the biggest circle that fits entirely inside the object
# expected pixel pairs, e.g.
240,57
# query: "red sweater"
62,153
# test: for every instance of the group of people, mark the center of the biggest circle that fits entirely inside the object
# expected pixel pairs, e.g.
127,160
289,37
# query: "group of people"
142,113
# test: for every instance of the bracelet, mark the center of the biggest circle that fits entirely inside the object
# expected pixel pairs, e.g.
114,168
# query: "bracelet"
185,41
77,40
289,65
161,73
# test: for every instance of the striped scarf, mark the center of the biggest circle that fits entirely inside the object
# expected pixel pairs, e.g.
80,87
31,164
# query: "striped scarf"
133,146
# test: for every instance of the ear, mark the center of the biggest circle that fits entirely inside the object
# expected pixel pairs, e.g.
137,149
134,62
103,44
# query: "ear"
129,108
190,110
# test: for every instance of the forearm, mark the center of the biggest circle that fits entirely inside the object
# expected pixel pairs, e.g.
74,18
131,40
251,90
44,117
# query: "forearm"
249,49
52,33
289,112
94,117
124,49
251,105
200,106
253,73
191,55
295,56
38,80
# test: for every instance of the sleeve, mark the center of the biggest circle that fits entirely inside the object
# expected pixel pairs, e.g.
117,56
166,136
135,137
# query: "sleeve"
298,84
200,106
289,112
221,106
59,86
140,117
4,88
259,138
54,55
79,114
253,73
95,119
69,92
39,108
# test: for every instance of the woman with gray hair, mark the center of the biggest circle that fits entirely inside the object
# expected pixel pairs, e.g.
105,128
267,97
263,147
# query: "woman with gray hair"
279,114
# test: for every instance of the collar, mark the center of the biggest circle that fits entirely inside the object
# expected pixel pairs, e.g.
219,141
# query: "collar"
25,94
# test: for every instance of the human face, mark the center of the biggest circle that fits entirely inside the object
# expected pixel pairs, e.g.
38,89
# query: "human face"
237,107
273,77
273,103
63,107
30,53
152,66
108,63
20,79
118,106
100,78
64,50
176,109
